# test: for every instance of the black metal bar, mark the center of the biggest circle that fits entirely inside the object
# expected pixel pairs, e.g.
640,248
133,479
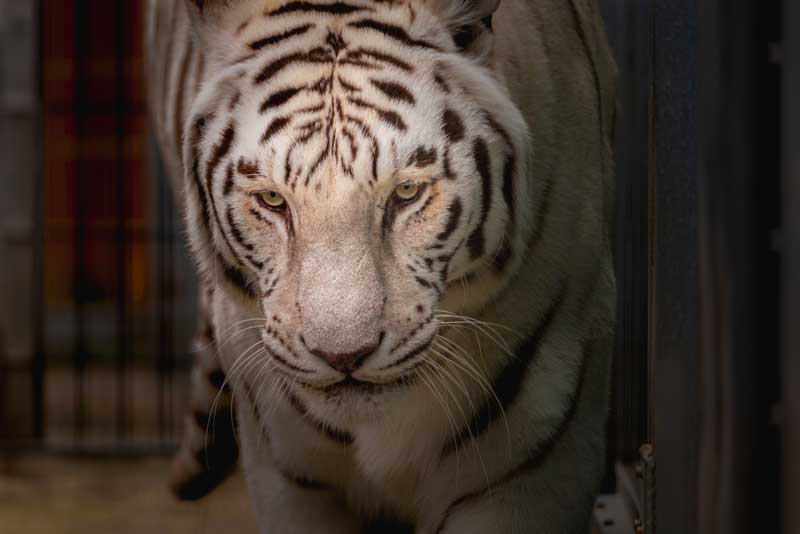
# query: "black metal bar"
790,419
169,260
121,262
630,30
38,307
674,323
81,21
161,316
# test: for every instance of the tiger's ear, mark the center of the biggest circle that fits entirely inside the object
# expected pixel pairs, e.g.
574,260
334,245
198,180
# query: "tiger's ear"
483,8
472,23
215,21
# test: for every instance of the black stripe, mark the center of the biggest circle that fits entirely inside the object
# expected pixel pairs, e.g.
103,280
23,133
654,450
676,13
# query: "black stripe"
228,187
355,56
201,420
279,98
234,276
508,184
247,168
424,283
536,456
394,91
283,361
259,265
374,146
275,39
237,234
217,379
294,478
389,117
508,384
419,349
389,30
447,167
452,125
454,215
274,127
477,242
198,131
423,157
505,253
217,460
300,480
234,101
440,81
336,435
338,8
220,151
315,56
347,86
389,525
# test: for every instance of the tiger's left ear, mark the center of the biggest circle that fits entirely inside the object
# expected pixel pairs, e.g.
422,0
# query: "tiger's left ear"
214,21
484,9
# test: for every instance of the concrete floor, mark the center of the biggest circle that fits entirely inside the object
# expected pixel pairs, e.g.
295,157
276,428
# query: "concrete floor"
46,494
42,494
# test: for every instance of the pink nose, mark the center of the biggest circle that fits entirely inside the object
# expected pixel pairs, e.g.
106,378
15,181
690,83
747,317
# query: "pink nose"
348,362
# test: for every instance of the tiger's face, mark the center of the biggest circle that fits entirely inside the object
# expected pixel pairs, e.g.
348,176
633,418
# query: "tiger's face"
355,174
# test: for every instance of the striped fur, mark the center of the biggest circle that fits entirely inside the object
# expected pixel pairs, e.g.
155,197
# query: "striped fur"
414,336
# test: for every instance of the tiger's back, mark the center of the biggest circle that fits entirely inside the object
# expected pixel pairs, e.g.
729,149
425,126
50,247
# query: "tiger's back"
497,428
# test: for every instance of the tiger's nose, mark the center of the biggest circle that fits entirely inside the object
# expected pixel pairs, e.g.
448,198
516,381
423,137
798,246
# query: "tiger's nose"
346,362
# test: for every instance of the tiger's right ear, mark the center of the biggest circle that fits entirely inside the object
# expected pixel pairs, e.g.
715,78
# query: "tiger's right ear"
484,8
470,21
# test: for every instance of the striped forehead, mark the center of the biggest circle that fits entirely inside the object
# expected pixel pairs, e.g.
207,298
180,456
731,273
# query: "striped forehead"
334,90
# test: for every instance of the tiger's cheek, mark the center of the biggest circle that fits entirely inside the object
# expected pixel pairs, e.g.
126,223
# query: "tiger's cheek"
420,229
269,245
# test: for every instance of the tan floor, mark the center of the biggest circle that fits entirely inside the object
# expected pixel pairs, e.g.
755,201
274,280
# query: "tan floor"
48,495
42,494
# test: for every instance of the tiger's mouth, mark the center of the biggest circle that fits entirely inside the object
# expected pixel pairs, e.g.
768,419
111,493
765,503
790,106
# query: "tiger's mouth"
350,385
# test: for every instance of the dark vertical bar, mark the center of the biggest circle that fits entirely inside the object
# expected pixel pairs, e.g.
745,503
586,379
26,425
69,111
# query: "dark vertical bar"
38,308
630,29
81,355
169,261
791,267
674,323
121,233
164,305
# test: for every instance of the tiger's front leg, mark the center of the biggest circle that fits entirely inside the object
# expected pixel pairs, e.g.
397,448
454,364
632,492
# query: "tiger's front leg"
287,500
521,508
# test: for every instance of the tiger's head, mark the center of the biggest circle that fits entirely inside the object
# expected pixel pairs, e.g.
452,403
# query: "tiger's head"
355,169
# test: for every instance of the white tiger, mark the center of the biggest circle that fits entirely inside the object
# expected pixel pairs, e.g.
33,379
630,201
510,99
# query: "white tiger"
400,209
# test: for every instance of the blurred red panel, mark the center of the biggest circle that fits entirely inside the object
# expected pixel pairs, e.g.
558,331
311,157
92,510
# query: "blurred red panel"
95,134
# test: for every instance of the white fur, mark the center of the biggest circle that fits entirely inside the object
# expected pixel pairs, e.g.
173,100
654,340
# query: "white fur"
538,77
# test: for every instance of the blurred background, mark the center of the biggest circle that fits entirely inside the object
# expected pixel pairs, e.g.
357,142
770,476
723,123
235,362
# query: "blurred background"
97,295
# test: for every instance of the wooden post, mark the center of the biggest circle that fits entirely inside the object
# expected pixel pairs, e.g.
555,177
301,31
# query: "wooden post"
19,183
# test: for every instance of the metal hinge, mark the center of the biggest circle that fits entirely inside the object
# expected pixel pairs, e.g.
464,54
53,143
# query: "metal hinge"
646,477
632,509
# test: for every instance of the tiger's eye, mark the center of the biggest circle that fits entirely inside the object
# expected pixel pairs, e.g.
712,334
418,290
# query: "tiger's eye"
407,191
272,199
